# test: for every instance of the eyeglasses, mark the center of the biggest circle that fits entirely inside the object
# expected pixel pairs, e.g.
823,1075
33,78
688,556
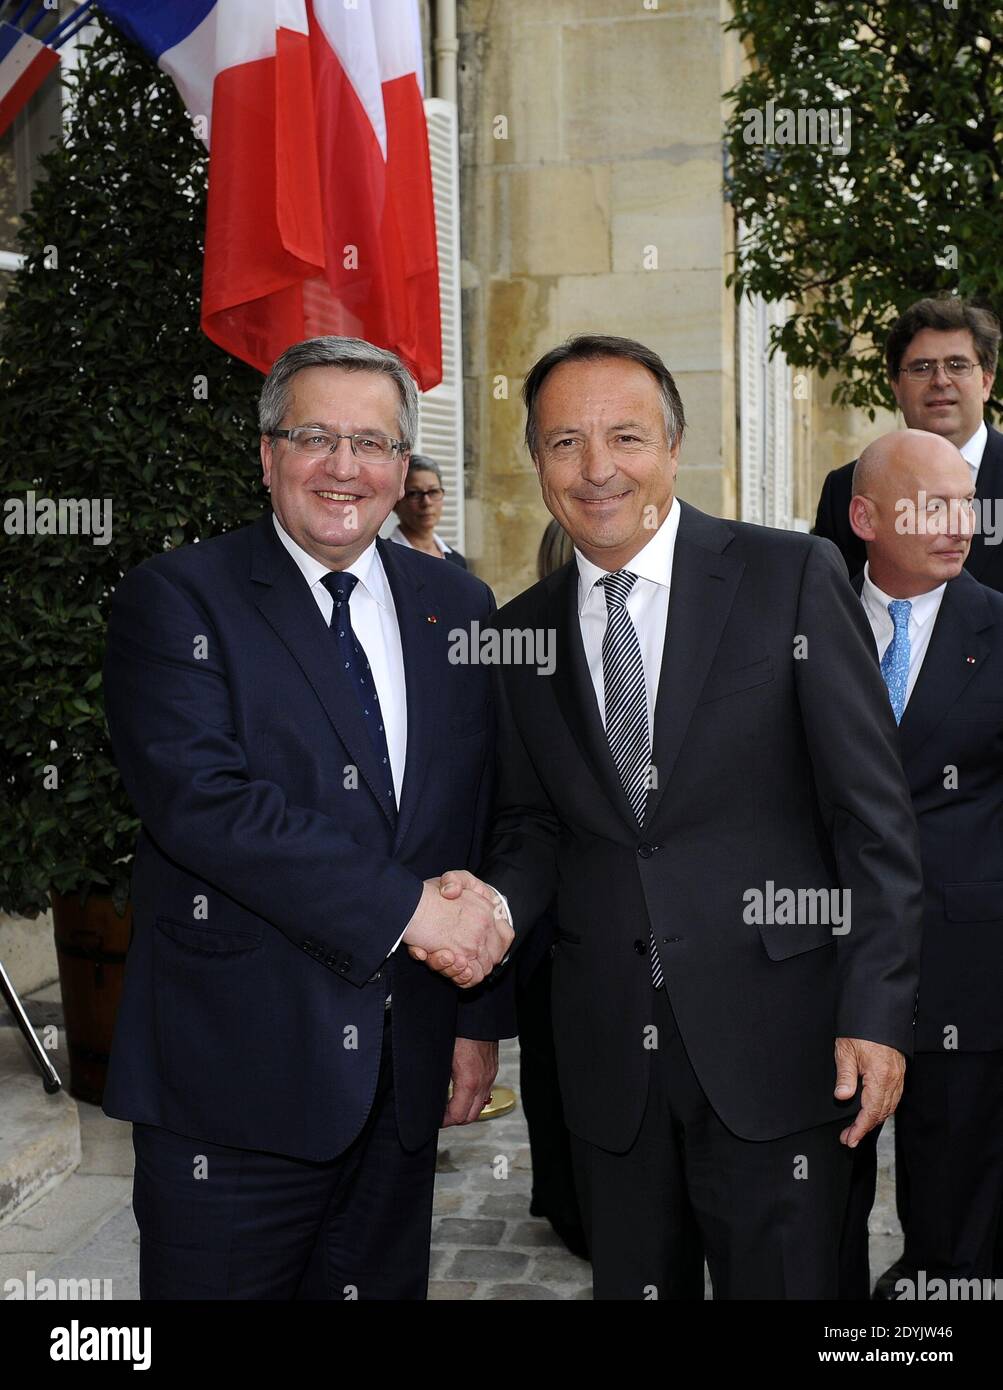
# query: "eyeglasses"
957,368
417,494
370,445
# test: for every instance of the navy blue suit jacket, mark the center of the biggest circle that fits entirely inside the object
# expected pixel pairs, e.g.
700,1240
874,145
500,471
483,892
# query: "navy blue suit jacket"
951,745
269,883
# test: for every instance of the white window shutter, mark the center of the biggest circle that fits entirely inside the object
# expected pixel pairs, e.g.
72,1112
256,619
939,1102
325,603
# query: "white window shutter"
779,451
765,415
440,433
752,408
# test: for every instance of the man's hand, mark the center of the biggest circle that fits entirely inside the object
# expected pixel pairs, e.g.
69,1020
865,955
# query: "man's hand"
475,1066
452,886
883,1072
459,935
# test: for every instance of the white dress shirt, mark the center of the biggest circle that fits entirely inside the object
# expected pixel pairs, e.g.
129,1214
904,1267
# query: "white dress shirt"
922,618
647,604
374,622
398,537
973,449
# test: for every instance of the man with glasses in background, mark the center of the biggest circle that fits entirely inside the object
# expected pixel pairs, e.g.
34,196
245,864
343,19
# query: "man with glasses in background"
419,511
941,357
305,761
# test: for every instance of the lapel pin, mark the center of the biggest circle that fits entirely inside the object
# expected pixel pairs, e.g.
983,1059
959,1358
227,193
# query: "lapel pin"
970,660
431,618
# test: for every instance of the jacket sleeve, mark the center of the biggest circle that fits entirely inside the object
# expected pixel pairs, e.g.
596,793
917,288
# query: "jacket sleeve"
865,804
521,856
173,734
487,1012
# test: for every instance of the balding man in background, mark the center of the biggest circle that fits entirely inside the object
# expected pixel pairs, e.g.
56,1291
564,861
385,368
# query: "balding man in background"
941,357
938,636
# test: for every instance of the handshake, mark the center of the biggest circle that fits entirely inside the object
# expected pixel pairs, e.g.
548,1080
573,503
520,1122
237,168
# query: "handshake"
460,928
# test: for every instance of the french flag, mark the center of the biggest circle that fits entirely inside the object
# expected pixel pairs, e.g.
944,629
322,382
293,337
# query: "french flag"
320,216
26,59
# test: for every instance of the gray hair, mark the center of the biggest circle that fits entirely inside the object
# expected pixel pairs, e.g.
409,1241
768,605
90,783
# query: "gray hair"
352,354
419,461
589,347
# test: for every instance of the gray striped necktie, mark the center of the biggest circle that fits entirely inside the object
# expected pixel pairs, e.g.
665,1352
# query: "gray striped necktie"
627,707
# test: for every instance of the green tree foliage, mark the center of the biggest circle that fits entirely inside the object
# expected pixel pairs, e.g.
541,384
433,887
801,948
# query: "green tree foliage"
911,208
101,358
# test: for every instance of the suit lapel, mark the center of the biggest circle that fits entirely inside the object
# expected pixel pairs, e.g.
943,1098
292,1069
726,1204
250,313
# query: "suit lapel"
283,597
703,588
956,651
988,490
424,647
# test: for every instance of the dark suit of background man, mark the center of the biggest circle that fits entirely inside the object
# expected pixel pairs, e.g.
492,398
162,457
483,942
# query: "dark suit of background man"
744,674
305,761
918,598
941,358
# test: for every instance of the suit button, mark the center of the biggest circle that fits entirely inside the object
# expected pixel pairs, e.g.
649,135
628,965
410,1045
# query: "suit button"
344,967
640,947
646,851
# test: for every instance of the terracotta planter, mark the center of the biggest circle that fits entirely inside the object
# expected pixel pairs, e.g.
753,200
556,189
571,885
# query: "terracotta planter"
91,942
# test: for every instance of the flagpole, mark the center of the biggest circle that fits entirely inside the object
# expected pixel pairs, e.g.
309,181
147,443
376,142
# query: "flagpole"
80,17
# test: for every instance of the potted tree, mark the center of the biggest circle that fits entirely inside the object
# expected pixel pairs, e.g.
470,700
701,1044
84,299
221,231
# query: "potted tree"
125,432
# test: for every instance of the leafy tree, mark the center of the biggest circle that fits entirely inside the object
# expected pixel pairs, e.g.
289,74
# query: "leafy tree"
908,207
108,389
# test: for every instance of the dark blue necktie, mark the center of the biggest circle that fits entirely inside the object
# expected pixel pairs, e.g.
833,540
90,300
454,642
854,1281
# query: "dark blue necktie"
339,584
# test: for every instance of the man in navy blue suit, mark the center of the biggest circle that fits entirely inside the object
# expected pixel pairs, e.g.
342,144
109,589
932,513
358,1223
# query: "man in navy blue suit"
938,634
305,760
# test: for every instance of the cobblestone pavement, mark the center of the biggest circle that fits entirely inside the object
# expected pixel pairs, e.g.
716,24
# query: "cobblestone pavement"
485,1245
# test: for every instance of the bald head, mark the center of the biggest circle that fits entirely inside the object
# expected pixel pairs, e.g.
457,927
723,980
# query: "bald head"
902,456
911,506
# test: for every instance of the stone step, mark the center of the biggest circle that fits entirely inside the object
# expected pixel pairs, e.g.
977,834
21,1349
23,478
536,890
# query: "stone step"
39,1133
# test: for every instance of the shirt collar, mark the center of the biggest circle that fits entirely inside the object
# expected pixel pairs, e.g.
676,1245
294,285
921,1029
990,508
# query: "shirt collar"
367,568
653,561
399,537
924,606
973,449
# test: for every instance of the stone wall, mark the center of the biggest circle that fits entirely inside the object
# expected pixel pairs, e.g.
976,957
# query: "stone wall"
590,168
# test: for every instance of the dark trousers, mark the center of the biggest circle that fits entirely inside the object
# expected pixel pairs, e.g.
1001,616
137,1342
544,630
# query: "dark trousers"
950,1127
549,1141
767,1215
225,1223
948,1173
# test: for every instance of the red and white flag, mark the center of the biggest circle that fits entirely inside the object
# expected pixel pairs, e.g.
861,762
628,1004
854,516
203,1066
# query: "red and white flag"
320,216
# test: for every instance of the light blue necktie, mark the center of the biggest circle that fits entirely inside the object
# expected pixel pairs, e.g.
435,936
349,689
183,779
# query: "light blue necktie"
895,662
